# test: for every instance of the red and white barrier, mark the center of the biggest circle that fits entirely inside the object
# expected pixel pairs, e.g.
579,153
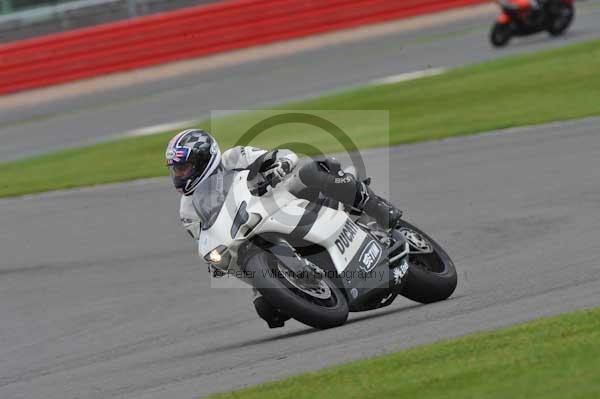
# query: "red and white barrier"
188,33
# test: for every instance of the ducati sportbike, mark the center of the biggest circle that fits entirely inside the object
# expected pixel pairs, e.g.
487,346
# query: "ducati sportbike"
518,19
312,258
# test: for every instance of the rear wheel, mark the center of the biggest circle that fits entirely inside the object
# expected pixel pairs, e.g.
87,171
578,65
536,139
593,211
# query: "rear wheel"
316,302
500,34
431,275
562,17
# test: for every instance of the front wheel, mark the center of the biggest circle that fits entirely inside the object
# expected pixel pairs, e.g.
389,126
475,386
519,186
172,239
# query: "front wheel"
500,34
431,275
318,303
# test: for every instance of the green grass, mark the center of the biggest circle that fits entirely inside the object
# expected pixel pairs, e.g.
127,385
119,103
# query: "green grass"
532,89
555,358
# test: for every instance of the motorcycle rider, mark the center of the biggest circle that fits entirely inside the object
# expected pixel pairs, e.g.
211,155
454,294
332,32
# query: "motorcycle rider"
533,6
525,4
193,155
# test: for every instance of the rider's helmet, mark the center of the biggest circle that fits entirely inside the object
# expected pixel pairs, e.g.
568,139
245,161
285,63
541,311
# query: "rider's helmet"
192,156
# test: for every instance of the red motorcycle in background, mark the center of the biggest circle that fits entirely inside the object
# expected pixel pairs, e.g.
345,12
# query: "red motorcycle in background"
519,18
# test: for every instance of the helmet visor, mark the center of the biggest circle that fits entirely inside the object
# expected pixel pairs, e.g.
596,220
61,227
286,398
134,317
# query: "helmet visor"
181,173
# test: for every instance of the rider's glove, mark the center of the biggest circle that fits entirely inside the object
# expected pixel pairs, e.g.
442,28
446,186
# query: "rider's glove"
278,170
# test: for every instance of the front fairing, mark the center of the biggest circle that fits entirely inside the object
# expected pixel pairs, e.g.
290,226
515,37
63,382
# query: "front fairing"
218,232
277,211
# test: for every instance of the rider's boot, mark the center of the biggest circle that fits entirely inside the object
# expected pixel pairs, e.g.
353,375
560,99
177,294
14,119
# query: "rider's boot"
536,14
328,177
386,214
273,316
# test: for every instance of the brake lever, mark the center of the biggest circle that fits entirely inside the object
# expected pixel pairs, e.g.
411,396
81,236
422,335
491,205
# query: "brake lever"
269,183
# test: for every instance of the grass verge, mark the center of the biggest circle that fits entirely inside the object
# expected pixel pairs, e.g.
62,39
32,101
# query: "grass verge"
532,89
555,358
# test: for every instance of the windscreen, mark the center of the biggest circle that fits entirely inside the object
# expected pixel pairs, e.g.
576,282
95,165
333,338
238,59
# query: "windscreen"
209,197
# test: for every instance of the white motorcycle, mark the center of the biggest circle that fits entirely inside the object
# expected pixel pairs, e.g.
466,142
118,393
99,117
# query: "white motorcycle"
314,260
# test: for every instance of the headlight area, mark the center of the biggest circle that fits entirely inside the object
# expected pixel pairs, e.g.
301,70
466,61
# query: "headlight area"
219,257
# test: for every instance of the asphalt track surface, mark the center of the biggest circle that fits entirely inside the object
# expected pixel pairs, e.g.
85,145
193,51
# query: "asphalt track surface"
101,295
87,118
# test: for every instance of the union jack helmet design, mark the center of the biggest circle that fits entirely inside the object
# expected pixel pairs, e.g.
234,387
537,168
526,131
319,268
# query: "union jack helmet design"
192,155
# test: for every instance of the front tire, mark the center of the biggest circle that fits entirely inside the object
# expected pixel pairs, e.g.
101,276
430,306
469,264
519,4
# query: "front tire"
315,312
500,35
431,276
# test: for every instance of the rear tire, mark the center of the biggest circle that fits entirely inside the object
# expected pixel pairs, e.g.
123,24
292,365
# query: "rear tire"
500,35
430,277
279,292
561,22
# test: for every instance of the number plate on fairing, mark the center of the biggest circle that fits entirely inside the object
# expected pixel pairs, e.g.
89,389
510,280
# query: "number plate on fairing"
367,273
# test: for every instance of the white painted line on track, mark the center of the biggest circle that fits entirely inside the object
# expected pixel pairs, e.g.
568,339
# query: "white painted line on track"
163,127
404,77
